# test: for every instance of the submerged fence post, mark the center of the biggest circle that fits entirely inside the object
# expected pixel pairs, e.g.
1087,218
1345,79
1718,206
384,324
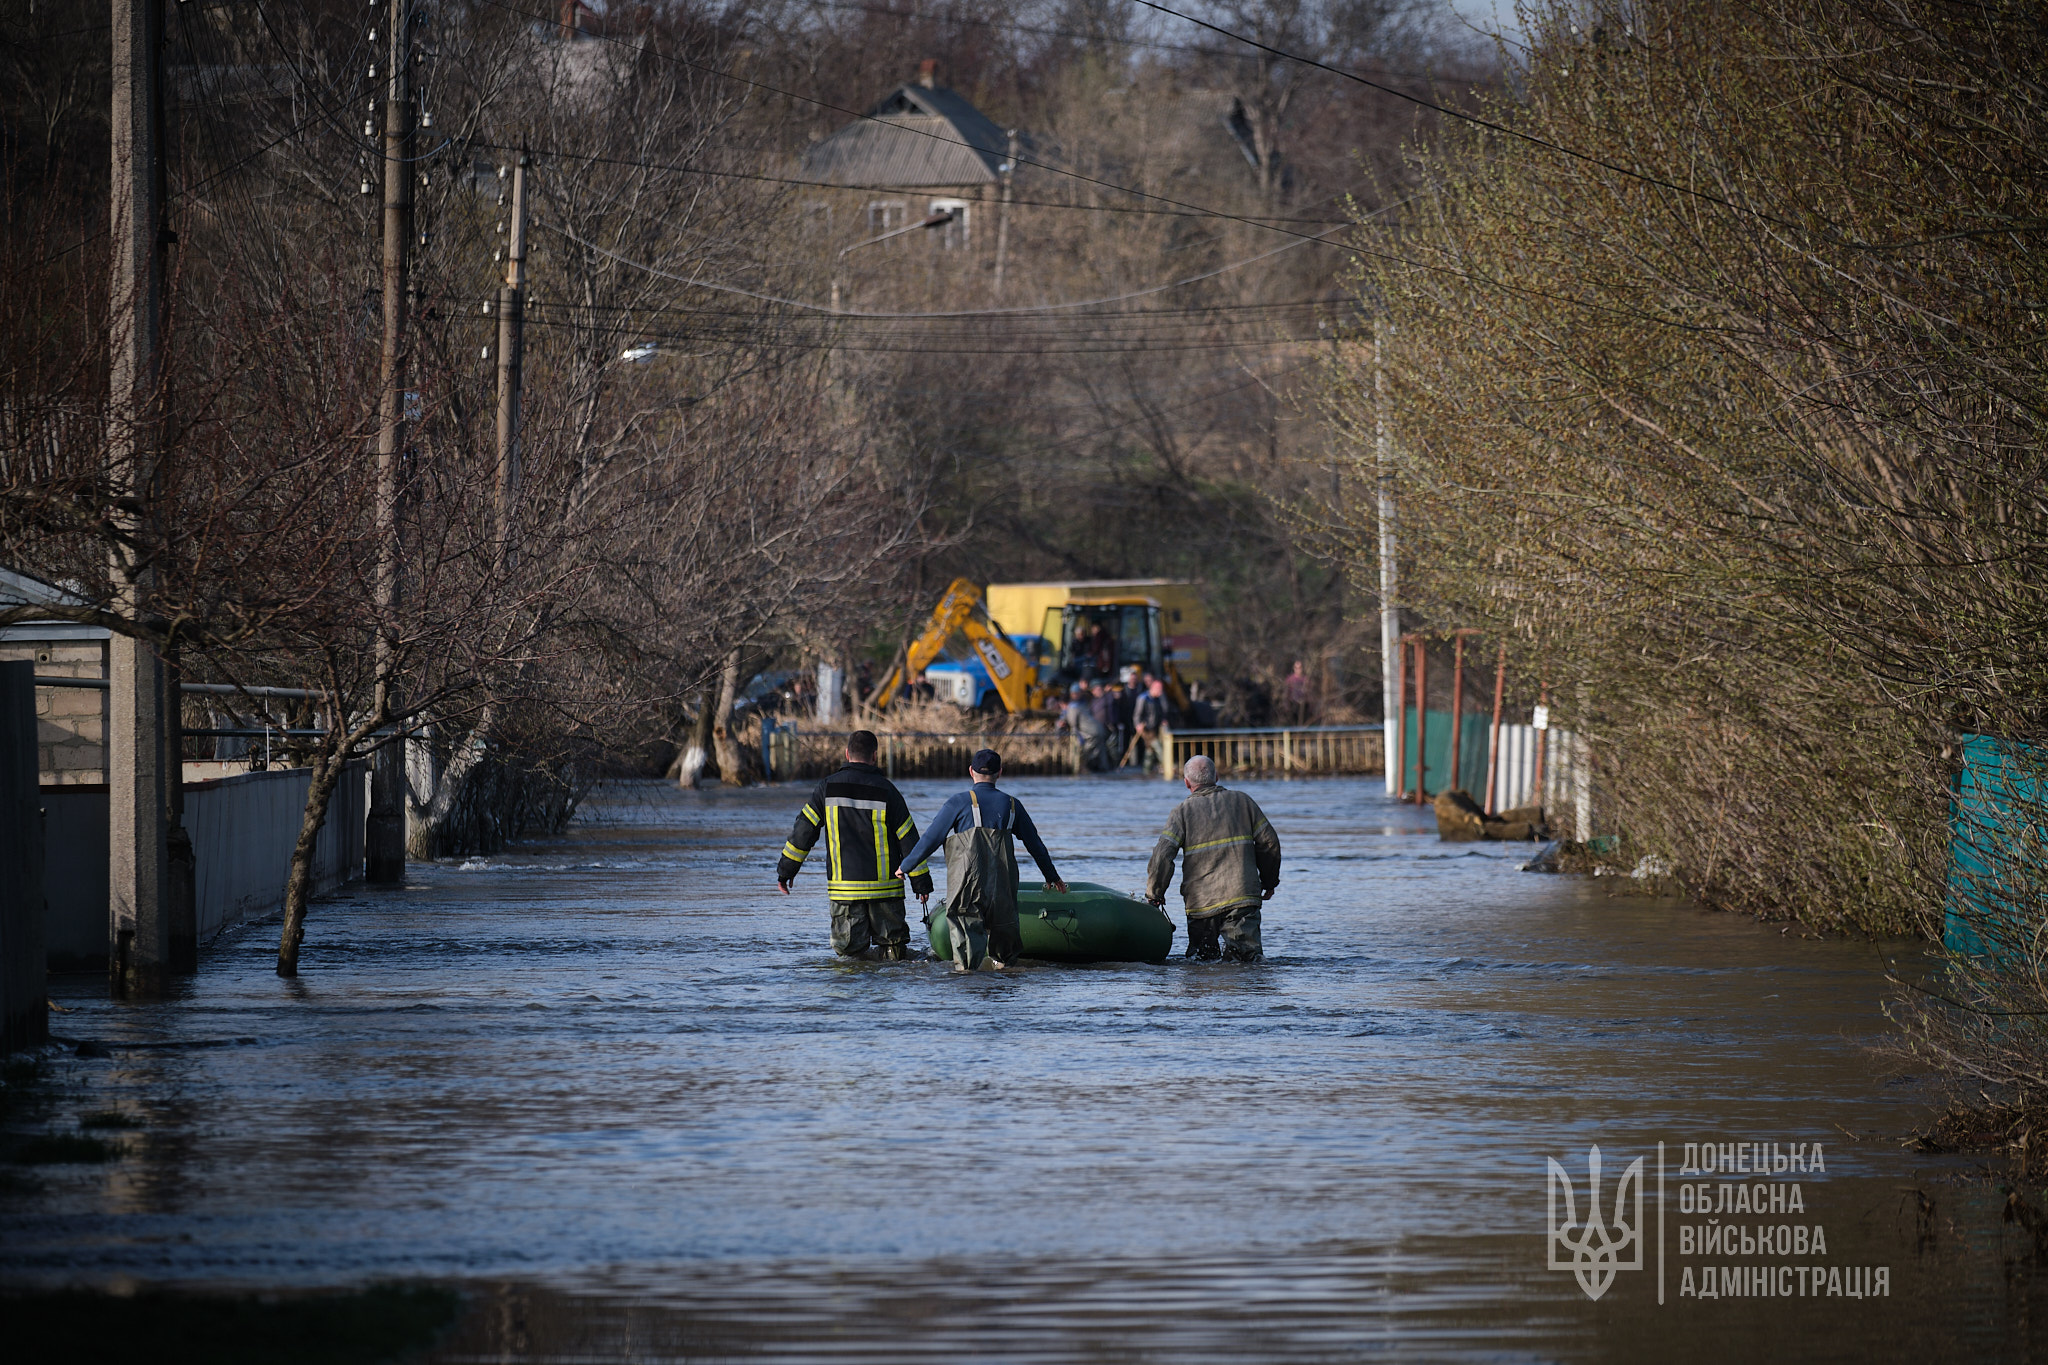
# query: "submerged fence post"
1394,728
1500,665
1421,720
1458,710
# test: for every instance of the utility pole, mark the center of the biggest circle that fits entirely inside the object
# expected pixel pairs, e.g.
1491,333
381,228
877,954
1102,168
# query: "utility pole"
140,901
384,839
511,354
1003,214
1395,733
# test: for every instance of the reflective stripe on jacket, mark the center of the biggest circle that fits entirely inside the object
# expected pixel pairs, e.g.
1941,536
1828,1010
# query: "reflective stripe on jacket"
1230,854
867,827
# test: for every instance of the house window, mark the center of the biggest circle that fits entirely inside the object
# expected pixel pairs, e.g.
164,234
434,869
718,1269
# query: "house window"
885,215
954,234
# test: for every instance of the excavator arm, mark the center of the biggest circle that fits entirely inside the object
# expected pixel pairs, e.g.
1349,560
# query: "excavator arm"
955,609
960,612
1011,672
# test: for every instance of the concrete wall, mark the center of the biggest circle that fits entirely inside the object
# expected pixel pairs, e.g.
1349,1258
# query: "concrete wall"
243,829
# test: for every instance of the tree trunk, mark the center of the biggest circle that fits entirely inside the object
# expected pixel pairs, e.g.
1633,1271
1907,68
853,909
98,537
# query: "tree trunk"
298,888
723,743
690,766
428,812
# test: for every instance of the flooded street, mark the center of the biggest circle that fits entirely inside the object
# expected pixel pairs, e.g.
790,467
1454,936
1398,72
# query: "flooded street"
620,1091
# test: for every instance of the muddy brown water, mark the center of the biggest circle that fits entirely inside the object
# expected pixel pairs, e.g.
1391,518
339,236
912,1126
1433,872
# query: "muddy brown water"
619,1091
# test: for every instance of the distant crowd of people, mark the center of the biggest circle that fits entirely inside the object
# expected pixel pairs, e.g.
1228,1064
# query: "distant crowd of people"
1118,721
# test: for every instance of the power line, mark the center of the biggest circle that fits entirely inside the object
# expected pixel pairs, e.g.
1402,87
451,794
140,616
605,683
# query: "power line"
1122,347
1036,31
959,313
1448,112
1138,315
601,160
920,132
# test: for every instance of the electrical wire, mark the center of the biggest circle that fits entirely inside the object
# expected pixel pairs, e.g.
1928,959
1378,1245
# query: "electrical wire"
907,128
753,335
958,313
1193,311
601,160
1036,31
1474,119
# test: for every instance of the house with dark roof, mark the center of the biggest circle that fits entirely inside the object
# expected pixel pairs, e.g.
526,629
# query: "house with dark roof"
924,150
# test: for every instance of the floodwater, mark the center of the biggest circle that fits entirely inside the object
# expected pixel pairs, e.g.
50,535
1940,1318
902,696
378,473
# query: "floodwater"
619,1091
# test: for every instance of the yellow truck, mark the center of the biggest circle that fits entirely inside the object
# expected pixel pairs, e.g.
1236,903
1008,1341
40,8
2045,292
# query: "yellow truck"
1154,622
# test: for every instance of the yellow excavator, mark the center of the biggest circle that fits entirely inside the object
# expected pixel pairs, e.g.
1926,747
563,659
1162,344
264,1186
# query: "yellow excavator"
962,612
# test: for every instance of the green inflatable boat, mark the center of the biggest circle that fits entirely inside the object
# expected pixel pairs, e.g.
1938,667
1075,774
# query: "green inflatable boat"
1089,923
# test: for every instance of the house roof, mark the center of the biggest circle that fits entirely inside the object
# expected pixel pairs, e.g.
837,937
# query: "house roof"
24,590
919,136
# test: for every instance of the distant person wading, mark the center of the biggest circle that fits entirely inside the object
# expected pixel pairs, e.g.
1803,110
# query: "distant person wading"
978,826
866,825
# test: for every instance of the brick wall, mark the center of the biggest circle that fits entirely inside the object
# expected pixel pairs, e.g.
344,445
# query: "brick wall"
71,729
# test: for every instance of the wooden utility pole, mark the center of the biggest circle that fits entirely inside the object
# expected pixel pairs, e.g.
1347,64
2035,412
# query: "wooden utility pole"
384,839
511,354
139,754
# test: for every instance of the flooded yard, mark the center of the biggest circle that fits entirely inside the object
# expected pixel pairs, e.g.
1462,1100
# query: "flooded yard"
619,1092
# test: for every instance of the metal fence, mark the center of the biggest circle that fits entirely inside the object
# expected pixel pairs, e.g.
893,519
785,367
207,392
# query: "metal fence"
789,752
1294,751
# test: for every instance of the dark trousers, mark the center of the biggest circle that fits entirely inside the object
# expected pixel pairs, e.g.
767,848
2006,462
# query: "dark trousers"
973,925
856,924
1231,933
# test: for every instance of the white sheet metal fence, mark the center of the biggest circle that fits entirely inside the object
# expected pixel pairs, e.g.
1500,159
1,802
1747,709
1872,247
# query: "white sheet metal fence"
1567,795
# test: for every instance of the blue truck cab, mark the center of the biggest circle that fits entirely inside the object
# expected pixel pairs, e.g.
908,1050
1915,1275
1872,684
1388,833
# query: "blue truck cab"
960,677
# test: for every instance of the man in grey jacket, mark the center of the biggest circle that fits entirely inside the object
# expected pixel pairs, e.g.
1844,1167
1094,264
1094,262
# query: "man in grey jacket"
1231,863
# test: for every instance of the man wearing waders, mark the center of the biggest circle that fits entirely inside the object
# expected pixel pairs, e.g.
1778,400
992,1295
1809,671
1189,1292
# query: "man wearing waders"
1231,862
866,825
978,826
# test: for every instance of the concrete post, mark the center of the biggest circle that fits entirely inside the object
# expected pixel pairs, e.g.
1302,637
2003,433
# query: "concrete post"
24,1000
138,901
138,832
1391,657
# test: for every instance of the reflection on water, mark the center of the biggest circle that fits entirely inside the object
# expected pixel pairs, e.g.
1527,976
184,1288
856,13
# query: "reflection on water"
621,1088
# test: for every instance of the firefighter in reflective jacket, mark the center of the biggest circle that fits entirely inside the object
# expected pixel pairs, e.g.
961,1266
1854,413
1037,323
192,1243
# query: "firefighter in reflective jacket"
867,829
